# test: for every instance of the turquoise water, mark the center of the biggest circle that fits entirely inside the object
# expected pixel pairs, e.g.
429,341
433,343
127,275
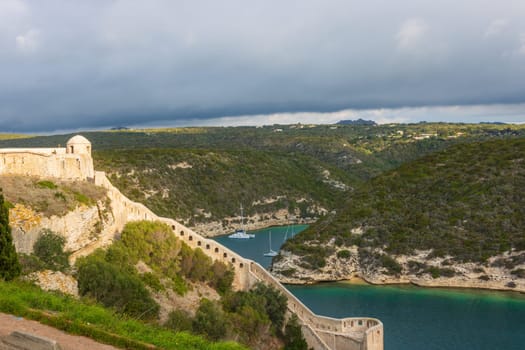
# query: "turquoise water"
255,248
414,318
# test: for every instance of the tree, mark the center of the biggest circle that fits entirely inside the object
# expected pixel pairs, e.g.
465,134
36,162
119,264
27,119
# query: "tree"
50,249
210,320
9,264
293,337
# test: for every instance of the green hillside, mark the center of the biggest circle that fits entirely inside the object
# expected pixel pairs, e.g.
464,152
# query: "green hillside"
179,182
189,173
466,202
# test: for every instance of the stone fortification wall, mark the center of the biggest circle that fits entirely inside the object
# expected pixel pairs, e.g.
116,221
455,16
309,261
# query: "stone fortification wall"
355,333
46,162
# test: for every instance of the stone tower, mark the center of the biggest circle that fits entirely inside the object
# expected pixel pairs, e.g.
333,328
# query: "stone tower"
78,145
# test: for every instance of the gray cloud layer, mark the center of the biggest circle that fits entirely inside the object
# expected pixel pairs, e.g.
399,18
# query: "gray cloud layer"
74,63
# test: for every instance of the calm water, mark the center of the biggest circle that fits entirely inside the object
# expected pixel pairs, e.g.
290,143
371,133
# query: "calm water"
414,318
254,248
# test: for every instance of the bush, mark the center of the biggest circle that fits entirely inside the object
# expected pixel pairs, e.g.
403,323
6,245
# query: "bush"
30,263
49,248
293,337
275,303
392,266
210,320
9,264
222,277
152,281
47,184
344,254
520,273
116,288
179,320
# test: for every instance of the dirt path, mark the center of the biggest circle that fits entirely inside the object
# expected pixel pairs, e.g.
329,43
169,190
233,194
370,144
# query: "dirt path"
10,323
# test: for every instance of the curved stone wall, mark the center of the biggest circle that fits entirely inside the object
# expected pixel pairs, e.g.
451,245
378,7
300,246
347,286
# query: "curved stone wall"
353,333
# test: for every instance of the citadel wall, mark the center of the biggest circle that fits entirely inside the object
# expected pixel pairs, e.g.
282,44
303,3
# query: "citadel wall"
353,333
73,162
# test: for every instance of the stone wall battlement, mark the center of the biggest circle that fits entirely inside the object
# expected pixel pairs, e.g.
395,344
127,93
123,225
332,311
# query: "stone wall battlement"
72,162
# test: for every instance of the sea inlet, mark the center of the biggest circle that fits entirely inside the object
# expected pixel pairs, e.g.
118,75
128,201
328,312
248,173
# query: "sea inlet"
414,318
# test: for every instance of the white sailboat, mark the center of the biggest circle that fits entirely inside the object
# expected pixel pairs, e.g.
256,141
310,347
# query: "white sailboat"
241,233
290,225
272,252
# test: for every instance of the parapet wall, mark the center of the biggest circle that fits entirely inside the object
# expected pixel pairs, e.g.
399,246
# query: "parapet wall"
355,333
46,162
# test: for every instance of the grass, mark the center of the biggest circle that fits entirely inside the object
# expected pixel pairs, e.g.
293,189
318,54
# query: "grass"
83,317
50,197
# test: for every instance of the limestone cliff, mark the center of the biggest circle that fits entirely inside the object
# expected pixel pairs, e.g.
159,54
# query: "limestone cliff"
254,222
417,269
80,227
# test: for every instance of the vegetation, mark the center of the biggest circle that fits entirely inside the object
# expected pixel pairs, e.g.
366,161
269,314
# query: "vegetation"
50,197
463,202
202,185
49,248
189,173
293,337
85,318
116,288
9,265
111,277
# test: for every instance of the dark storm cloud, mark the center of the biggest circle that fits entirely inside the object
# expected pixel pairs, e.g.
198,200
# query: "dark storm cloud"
68,64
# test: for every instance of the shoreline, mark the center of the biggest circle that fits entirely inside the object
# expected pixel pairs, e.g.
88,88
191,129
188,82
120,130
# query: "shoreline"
358,280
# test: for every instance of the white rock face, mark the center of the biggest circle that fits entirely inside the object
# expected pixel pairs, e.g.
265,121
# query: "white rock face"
288,269
79,227
55,281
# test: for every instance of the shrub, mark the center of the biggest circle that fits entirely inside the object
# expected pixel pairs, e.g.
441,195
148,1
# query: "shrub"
9,265
47,184
344,254
114,287
30,263
210,320
293,337
222,277
49,248
179,320
520,273
152,281
275,303
288,272
392,266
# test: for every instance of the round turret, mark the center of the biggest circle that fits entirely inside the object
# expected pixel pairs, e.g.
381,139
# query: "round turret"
78,145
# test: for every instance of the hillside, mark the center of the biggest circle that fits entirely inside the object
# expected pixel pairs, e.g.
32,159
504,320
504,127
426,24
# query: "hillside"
458,206
201,175
209,185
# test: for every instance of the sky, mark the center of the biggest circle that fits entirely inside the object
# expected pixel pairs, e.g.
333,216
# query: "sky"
76,64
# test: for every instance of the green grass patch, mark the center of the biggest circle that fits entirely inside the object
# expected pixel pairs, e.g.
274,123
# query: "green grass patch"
86,318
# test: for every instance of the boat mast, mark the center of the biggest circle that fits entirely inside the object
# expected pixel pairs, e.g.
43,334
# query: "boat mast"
242,221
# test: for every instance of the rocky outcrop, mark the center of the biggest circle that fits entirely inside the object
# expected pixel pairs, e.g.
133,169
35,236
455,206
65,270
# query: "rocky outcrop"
79,227
435,272
254,222
55,281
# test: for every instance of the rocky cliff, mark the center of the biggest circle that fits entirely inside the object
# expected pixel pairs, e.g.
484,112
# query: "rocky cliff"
497,273
80,227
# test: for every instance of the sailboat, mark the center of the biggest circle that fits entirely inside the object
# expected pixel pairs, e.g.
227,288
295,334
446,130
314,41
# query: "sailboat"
241,233
286,233
272,252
